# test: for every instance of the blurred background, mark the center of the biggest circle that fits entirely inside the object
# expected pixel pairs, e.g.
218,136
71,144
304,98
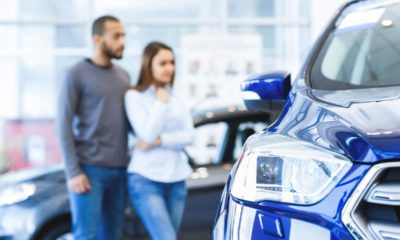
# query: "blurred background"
217,44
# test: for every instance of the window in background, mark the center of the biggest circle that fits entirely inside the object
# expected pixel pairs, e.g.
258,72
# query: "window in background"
70,36
139,36
158,9
35,37
9,88
63,10
268,34
251,8
304,41
8,36
40,39
305,9
38,93
208,143
8,10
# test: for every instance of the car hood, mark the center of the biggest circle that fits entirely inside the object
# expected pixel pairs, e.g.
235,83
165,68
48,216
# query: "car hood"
28,174
367,128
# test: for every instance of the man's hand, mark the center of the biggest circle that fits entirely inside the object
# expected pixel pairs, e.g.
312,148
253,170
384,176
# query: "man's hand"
79,184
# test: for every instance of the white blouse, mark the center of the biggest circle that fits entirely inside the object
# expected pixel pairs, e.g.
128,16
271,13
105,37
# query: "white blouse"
150,119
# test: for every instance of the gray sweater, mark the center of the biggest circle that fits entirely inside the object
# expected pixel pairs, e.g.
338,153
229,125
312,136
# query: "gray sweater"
91,121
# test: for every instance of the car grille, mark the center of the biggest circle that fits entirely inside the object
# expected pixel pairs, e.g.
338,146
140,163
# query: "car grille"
373,210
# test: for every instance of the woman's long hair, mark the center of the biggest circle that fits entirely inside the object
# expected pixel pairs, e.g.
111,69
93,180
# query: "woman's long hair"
146,77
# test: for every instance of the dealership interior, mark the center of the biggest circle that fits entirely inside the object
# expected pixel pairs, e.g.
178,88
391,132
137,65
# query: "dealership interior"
221,49
41,39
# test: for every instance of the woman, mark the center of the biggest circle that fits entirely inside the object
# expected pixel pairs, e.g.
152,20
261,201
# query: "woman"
158,168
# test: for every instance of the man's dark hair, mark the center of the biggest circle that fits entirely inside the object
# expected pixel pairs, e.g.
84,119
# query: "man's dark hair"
99,23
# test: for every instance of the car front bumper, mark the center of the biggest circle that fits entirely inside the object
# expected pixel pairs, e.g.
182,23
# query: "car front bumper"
240,220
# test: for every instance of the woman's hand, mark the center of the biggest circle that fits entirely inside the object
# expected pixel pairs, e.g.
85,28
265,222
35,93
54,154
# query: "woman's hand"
162,94
146,146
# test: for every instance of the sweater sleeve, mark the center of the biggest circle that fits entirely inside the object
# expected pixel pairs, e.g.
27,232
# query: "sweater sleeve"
67,106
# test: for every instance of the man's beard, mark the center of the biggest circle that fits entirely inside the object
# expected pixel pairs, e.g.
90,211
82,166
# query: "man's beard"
109,53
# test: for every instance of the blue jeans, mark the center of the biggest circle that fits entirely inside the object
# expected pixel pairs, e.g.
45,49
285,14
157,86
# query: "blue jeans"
99,214
159,205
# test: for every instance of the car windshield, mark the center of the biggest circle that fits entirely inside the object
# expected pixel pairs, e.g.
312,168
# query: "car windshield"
362,51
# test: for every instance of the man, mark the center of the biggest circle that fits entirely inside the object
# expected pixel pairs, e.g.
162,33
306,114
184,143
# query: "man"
93,135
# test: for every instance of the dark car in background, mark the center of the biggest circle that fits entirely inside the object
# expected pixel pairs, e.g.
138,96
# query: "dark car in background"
34,203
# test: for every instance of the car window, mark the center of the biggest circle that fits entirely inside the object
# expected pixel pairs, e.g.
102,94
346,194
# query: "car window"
245,130
208,143
362,51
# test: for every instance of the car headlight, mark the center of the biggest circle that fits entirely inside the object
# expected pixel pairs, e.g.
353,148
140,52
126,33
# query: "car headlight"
278,168
16,193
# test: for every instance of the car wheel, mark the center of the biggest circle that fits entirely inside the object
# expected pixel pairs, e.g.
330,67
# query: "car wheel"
61,231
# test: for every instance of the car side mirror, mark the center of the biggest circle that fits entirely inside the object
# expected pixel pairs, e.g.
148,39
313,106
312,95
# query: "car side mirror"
266,92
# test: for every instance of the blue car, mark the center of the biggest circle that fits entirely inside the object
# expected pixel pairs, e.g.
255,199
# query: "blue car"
329,166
